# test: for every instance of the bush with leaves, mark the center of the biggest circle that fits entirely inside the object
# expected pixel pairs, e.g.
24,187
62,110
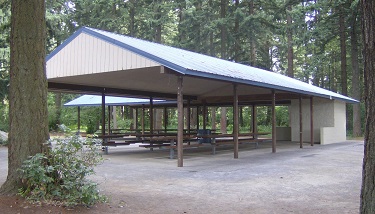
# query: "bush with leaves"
61,176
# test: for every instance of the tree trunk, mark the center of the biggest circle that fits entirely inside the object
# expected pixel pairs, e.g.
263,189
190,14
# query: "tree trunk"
223,120
223,39
158,25
28,88
237,46
212,45
356,94
290,41
158,119
213,118
132,17
252,37
367,204
193,117
344,76
181,29
223,31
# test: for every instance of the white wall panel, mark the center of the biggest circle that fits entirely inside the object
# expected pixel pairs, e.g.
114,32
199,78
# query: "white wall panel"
329,120
88,55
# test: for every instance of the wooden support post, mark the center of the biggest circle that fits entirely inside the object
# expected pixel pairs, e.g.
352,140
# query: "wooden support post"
254,121
311,121
79,119
180,130
143,119
151,115
197,118
103,115
300,124
188,118
188,112
235,121
273,121
109,119
165,111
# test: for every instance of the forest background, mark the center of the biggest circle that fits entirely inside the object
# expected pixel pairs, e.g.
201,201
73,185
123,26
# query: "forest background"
317,42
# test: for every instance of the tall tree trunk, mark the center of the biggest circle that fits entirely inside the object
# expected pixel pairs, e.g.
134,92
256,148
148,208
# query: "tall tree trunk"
213,118
212,46
237,46
223,31
344,75
193,117
356,94
223,120
367,204
158,20
290,72
252,37
132,17
28,88
223,40
181,30
158,118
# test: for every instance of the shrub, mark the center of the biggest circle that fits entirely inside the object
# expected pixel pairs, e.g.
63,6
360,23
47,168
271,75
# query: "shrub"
91,127
4,142
61,176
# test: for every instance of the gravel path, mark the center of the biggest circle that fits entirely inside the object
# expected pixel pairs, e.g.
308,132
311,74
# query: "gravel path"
319,179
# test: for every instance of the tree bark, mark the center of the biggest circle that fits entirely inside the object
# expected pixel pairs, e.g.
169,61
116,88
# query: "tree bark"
223,120
28,88
223,39
237,46
158,119
356,94
344,76
252,39
132,17
213,118
290,41
158,18
223,31
367,204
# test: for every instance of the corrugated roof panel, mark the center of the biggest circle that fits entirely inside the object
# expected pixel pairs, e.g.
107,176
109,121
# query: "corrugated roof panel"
195,64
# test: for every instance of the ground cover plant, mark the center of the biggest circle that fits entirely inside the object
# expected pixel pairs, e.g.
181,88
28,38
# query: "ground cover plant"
61,176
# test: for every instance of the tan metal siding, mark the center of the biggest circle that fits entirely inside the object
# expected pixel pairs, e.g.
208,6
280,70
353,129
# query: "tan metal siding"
88,55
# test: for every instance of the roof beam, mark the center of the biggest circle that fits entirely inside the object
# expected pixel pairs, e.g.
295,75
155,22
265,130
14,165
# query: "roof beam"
72,88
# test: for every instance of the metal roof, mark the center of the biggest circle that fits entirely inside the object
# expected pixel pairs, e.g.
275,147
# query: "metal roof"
199,65
94,100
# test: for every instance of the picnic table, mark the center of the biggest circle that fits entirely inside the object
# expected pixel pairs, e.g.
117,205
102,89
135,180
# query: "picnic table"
218,139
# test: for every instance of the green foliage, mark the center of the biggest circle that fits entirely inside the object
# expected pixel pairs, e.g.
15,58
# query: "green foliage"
124,123
52,119
91,127
4,142
4,117
61,176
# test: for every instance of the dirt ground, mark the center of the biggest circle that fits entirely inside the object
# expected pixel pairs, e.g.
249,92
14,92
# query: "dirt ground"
318,179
